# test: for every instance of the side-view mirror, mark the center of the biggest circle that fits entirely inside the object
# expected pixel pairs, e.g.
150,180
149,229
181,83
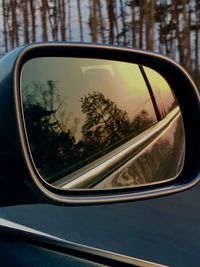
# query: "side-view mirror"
98,124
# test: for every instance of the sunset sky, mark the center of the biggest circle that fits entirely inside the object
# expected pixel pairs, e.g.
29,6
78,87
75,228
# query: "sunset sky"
75,78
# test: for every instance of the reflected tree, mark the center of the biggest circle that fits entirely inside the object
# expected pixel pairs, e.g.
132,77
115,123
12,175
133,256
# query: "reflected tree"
52,148
105,123
55,151
141,122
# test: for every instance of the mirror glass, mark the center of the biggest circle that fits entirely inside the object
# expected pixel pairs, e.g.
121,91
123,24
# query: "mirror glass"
100,124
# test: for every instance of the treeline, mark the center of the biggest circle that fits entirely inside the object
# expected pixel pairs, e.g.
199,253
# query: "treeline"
105,128
166,26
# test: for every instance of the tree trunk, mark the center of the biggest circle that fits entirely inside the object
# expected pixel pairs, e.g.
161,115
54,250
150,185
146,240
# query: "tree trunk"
63,21
26,22
101,22
43,10
94,21
80,20
150,16
197,28
123,18
55,20
133,23
110,10
15,36
33,24
5,30
141,23
69,20
186,35
116,26
177,31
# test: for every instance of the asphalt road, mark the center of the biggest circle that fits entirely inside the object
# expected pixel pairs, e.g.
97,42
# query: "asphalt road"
164,230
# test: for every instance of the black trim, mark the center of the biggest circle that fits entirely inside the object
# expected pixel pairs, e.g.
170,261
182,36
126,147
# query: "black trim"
90,254
153,99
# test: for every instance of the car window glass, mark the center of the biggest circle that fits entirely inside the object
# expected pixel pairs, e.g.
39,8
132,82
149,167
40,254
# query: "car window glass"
162,91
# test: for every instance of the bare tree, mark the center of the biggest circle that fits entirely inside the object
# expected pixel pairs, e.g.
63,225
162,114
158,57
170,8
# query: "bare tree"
141,22
150,17
197,28
53,18
93,23
43,10
69,20
116,25
25,21
80,20
5,27
186,35
101,22
133,23
123,18
110,10
33,23
15,36
62,13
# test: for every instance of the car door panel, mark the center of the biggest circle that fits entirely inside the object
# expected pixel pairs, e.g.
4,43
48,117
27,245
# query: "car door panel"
163,230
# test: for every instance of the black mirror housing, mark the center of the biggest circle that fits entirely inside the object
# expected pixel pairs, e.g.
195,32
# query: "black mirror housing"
18,170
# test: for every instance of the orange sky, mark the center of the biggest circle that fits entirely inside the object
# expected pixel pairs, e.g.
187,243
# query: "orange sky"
76,77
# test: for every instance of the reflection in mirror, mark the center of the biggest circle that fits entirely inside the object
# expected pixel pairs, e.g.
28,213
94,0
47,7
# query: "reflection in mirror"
100,124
